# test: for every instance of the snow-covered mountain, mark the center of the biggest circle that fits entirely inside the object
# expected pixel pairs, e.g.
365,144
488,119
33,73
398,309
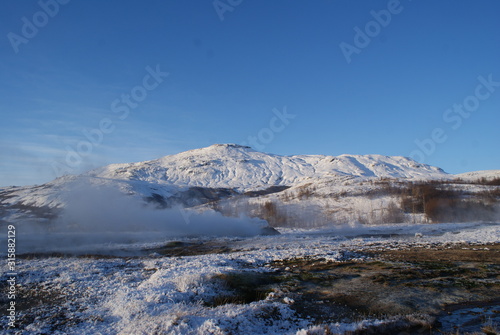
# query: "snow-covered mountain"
227,171
242,168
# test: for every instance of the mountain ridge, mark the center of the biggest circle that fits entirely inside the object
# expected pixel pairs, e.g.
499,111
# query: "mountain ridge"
220,164
220,171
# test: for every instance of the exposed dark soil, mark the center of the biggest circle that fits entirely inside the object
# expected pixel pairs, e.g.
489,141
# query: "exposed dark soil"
170,249
459,253
177,248
397,282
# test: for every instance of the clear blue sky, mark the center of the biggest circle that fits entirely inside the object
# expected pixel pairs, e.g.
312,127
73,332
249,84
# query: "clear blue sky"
225,77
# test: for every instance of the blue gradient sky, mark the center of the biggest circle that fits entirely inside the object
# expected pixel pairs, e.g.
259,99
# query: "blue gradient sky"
226,77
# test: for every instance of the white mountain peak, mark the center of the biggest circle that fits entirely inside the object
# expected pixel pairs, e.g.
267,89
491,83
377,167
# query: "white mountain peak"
242,168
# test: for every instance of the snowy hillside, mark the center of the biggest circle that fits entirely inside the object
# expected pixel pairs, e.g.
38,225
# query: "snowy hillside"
476,175
352,187
244,169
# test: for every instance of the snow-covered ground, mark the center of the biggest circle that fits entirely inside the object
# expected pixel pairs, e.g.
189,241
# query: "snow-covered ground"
155,294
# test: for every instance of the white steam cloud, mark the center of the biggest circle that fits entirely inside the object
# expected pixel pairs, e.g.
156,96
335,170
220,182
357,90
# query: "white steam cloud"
99,214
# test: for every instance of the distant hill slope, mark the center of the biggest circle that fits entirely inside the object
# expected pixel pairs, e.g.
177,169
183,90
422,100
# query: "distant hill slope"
477,175
242,168
226,171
